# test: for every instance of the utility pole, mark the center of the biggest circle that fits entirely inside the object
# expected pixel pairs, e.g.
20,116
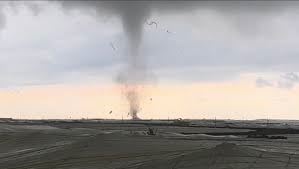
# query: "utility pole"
215,122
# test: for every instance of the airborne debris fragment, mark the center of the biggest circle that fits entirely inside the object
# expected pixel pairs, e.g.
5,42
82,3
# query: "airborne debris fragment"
152,22
110,112
112,46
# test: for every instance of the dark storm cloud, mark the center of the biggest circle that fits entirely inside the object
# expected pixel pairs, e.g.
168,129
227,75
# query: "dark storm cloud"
243,14
239,12
250,19
248,23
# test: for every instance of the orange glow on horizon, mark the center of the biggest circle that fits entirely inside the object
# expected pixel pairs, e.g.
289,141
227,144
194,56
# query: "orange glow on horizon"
237,100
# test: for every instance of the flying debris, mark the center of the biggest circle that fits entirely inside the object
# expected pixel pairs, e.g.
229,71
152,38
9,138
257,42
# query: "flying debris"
168,31
151,23
151,99
112,46
110,112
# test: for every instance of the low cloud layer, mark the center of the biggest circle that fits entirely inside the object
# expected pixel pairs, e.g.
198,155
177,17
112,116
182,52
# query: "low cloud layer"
288,80
34,7
284,81
260,82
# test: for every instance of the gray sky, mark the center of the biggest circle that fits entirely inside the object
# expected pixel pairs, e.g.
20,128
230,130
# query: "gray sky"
58,42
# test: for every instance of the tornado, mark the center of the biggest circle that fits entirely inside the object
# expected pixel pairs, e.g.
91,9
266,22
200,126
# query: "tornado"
133,76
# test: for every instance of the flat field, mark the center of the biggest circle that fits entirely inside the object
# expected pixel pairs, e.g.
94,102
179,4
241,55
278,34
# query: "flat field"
117,144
